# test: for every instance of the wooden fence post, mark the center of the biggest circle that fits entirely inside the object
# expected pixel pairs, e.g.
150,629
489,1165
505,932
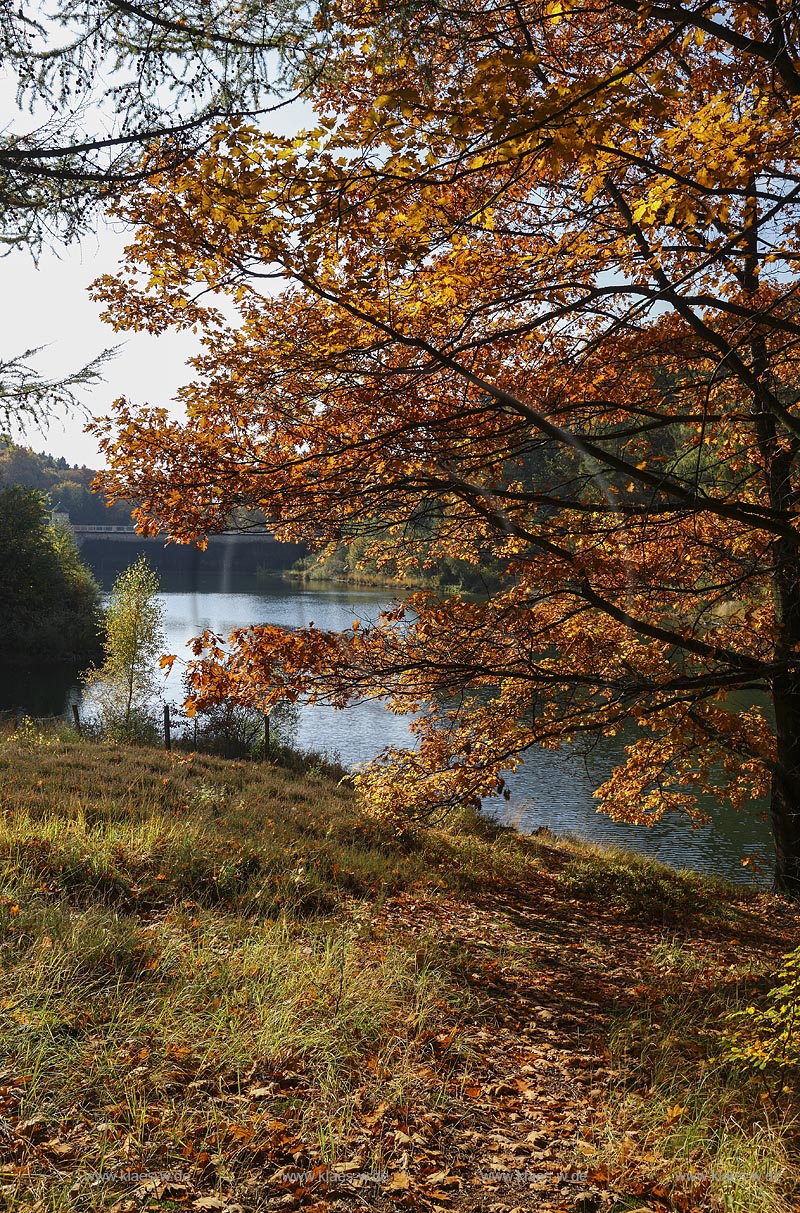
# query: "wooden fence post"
266,735
76,718
167,738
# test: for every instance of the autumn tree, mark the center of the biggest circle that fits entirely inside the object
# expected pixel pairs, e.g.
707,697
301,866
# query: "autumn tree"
542,290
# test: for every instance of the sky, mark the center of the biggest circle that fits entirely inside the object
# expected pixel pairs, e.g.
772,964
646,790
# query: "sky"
48,305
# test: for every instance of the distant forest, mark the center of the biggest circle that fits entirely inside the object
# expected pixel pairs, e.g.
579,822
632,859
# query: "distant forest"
68,486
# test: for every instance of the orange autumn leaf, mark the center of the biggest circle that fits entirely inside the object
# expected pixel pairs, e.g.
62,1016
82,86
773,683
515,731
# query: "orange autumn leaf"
540,323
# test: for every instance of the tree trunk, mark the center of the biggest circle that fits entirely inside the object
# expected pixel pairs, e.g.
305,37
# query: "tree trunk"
785,799
779,460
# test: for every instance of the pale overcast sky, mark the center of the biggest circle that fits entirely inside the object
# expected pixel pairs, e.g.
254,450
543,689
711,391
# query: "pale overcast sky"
48,305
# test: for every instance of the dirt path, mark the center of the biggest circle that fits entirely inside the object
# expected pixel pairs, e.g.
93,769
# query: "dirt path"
546,978
506,1096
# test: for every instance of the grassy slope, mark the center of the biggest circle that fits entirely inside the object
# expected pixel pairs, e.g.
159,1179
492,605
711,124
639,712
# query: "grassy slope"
221,983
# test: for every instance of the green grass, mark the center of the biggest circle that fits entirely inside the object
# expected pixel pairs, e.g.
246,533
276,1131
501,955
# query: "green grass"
202,974
137,829
642,886
176,931
681,1119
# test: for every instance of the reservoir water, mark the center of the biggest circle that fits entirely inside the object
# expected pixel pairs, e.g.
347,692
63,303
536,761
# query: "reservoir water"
552,789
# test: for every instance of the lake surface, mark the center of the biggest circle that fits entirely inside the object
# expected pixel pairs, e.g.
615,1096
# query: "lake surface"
551,789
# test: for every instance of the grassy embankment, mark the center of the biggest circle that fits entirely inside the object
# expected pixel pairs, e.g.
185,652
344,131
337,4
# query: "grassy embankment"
224,987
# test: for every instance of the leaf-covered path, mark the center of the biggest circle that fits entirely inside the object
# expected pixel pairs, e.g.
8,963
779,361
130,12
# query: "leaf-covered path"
506,1104
546,978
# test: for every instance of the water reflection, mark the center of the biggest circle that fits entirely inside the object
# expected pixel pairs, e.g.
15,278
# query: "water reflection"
554,789
355,734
